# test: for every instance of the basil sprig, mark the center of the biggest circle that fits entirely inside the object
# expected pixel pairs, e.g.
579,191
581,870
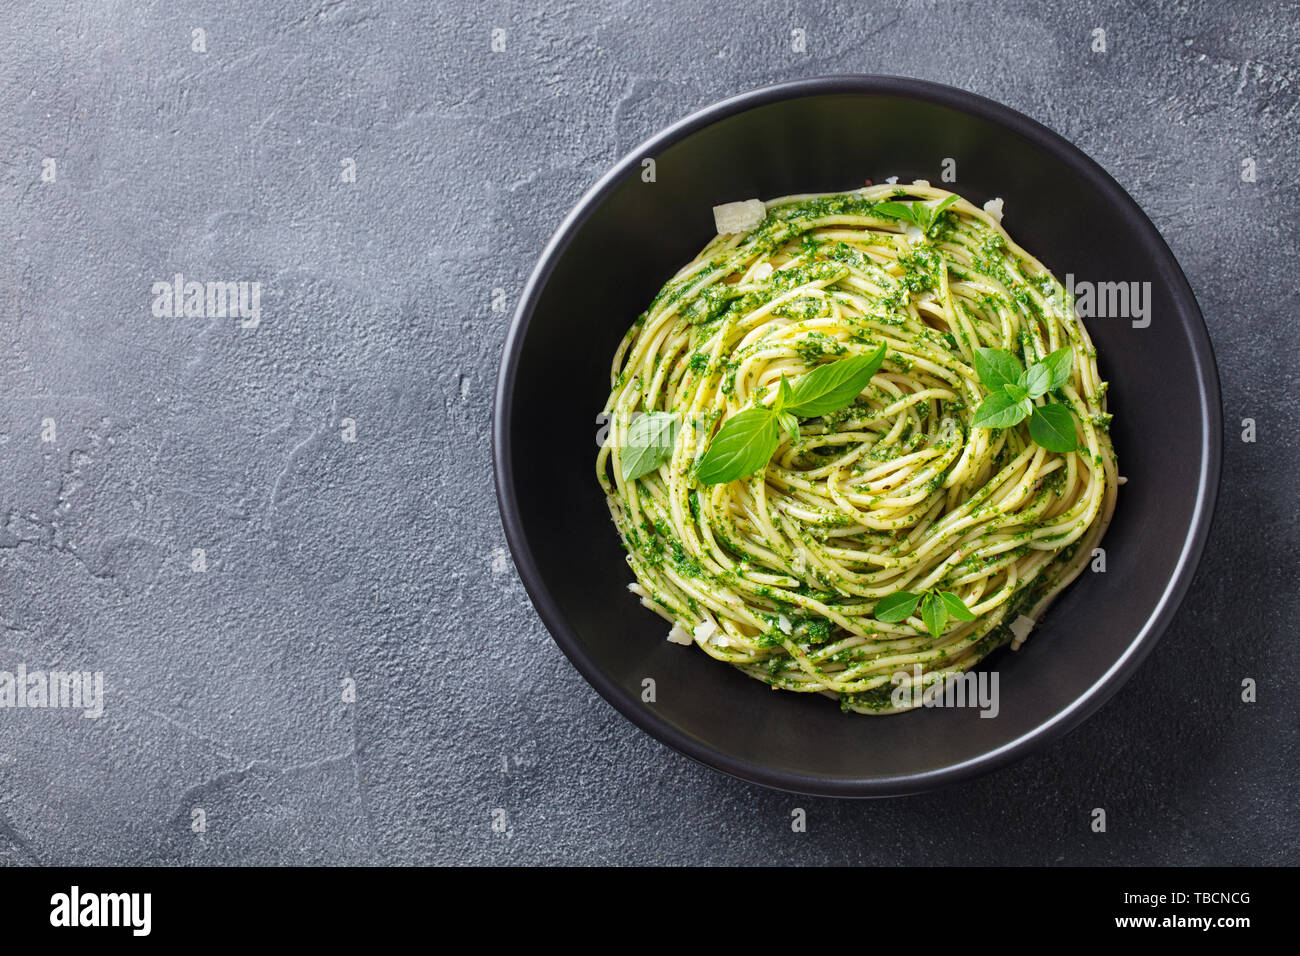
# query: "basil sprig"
1012,391
936,608
743,445
746,441
921,214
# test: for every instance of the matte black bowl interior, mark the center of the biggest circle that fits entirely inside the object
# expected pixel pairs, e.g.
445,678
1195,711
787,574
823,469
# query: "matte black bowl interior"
627,236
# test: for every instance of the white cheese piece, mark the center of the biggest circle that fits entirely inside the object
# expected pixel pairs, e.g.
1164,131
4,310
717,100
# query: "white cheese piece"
705,630
994,208
763,270
784,624
1020,629
913,234
920,182
1121,480
892,180
679,635
739,216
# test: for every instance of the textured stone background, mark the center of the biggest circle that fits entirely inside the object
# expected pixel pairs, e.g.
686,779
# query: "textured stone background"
381,560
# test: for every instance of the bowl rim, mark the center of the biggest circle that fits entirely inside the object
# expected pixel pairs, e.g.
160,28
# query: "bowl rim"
1085,704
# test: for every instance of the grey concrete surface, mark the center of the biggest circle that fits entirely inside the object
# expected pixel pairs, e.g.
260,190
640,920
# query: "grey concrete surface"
380,560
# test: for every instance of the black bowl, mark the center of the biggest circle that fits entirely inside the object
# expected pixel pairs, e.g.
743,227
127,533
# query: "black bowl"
628,235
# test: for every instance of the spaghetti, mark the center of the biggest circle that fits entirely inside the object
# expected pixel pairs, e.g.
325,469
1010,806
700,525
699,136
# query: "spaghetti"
779,572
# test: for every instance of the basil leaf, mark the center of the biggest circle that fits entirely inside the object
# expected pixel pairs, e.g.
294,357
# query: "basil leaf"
1017,391
1053,427
789,424
938,210
956,606
933,613
999,410
833,386
896,607
897,210
649,443
782,394
742,445
996,368
1038,379
1058,364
